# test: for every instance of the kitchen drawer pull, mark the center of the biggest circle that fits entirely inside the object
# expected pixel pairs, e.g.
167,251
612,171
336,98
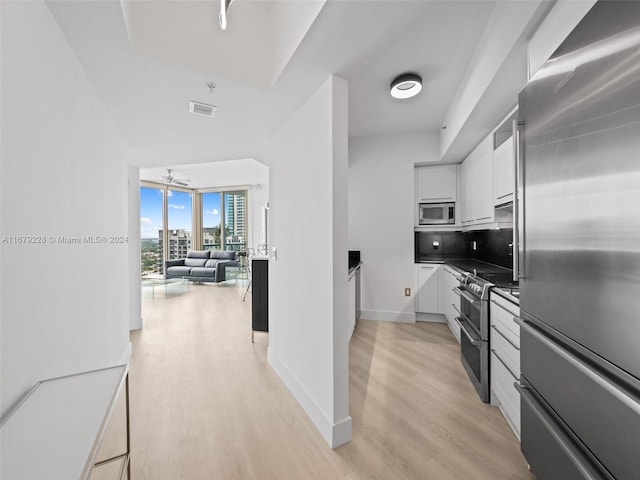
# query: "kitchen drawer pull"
493,350
505,309
505,337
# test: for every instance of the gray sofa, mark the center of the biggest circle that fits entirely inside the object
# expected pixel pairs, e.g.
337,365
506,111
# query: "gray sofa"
201,265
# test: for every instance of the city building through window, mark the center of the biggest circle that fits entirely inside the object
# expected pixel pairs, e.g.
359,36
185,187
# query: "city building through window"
196,220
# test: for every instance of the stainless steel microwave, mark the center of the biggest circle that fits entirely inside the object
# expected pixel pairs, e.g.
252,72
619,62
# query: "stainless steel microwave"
437,213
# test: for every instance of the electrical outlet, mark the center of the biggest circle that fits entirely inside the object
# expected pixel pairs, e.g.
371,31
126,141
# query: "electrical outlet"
407,292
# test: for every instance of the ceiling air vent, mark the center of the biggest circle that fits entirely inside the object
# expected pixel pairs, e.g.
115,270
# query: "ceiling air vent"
202,109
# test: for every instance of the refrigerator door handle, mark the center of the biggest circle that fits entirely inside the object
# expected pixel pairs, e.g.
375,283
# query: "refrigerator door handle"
630,402
573,451
518,204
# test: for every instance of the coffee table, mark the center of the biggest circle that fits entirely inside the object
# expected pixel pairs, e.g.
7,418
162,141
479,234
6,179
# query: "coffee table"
171,285
235,274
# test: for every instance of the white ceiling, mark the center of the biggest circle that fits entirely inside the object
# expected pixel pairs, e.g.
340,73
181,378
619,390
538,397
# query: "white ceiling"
259,41
227,173
147,88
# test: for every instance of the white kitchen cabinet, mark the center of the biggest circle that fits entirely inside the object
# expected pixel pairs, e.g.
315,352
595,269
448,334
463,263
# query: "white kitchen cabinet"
436,184
503,173
504,341
477,183
427,288
449,298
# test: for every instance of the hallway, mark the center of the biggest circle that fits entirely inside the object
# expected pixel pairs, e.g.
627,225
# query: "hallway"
206,405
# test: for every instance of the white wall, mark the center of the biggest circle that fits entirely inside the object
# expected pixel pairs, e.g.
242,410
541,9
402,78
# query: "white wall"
308,345
495,75
135,287
258,196
557,25
63,172
381,218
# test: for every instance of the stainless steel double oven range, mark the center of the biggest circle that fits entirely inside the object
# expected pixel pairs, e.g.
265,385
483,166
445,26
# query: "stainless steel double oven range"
474,327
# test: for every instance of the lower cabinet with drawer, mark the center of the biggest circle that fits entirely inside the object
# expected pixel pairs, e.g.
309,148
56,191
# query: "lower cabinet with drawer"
505,358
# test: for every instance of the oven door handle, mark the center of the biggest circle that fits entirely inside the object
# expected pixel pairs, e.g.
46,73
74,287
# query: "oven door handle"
476,341
462,315
467,297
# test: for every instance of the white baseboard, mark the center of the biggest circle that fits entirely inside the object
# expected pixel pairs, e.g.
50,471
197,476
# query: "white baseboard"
401,317
335,434
135,324
430,317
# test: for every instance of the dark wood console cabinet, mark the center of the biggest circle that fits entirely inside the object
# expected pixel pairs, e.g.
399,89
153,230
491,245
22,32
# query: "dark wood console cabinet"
259,296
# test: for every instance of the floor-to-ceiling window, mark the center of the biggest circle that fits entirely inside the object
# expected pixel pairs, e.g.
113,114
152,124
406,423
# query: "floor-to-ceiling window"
151,230
211,220
235,220
179,223
223,219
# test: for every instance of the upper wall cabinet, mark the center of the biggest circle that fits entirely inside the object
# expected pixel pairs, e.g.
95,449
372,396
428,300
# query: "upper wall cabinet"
436,184
503,173
477,184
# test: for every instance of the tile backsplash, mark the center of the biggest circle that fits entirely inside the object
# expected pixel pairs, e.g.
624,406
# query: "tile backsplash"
491,246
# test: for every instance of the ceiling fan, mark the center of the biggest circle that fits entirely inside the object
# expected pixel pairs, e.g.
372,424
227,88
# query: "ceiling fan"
170,179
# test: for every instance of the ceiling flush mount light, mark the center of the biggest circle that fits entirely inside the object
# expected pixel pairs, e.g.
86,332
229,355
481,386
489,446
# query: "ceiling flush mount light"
406,85
224,6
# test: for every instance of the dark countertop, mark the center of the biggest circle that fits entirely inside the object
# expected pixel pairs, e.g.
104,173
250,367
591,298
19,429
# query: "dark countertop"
507,295
465,264
490,272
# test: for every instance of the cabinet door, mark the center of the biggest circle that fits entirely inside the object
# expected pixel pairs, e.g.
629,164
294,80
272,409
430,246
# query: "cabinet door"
505,358
451,298
469,172
427,289
478,184
436,184
503,173
484,182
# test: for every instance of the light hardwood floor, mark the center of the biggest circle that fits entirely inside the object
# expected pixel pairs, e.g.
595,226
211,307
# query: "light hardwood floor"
206,405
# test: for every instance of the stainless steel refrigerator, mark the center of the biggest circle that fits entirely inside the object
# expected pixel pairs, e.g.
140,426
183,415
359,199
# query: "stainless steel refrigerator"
579,265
